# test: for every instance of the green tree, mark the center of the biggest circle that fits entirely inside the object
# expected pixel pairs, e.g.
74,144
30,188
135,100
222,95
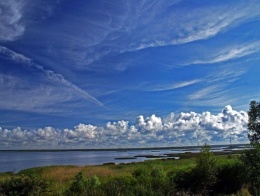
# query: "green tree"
254,122
205,171
251,156
78,186
84,186
199,179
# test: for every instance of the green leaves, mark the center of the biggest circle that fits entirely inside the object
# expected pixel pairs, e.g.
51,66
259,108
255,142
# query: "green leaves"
251,160
23,185
205,170
251,157
254,122
83,186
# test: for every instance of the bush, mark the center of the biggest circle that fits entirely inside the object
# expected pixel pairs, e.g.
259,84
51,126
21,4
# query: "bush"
182,180
230,177
205,171
83,186
160,183
140,172
23,185
251,160
123,185
143,178
153,182
201,178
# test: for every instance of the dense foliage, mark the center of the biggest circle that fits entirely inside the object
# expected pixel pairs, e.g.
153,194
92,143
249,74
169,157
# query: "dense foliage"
254,122
251,156
23,185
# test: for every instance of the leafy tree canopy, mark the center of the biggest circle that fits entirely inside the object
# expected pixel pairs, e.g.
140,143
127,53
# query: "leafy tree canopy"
254,122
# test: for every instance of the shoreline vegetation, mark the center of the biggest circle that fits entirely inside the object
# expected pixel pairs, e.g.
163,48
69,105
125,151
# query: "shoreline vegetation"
161,176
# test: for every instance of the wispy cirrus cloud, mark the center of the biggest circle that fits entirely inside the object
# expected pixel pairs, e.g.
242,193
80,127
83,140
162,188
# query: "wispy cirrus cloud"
48,73
226,74
11,25
21,95
174,86
178,28
205,92
196,24
118,31
16,15
215,89
230,53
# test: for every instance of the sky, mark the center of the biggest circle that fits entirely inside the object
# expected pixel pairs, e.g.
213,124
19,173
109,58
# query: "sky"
122,73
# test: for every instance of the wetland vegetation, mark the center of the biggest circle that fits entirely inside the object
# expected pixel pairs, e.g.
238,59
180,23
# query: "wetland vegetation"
201,173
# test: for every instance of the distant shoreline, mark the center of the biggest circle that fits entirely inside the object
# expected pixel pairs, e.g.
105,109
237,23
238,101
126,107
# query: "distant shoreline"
123,149
17,160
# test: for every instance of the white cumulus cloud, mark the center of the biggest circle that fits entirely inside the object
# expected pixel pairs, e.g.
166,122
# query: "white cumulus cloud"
188,128
152,123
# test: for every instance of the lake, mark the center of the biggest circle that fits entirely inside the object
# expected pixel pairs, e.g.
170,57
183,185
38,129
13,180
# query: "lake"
14,161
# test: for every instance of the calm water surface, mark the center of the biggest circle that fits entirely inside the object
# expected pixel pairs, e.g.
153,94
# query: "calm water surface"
15,161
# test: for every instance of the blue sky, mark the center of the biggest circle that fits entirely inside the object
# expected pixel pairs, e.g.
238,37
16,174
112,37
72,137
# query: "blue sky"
127,73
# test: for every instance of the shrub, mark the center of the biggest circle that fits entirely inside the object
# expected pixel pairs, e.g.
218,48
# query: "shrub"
23,185
205,171
153,182
83,186
251,160
230,177
201,178
123,185
159,182
143,179
182,180
140,172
